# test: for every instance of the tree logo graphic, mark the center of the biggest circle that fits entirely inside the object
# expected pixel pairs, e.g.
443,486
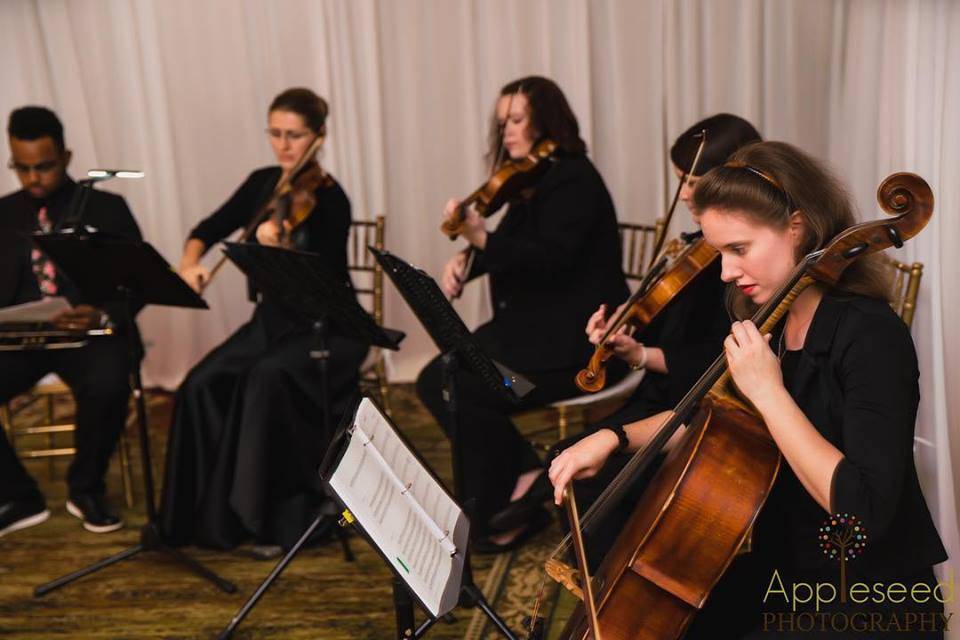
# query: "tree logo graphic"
842,537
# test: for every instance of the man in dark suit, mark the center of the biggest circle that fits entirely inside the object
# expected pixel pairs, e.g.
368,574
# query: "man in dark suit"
96,373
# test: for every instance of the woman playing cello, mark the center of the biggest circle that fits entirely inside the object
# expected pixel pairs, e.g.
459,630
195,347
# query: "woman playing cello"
837,389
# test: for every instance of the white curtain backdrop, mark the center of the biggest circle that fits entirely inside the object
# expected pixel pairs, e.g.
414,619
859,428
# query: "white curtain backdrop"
179,88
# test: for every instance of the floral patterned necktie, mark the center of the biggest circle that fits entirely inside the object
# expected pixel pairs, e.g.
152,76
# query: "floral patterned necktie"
43,268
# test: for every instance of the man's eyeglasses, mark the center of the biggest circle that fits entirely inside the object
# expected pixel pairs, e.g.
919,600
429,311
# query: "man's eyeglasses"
41,167
292,136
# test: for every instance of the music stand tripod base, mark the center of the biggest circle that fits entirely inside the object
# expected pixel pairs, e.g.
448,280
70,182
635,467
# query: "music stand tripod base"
107,269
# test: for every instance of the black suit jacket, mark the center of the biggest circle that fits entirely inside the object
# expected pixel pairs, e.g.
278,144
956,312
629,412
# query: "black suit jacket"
106,212
856,380
552,261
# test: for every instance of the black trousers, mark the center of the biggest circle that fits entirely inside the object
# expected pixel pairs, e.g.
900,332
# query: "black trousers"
492,453
247,436
98,375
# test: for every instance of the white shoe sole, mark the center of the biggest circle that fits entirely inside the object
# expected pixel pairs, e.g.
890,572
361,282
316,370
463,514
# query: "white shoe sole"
74,510
26,522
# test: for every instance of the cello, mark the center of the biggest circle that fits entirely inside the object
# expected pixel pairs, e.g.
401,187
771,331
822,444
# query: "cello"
698,512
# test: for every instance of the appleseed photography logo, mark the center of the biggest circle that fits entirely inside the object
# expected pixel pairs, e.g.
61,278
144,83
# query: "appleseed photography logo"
863,608
842,537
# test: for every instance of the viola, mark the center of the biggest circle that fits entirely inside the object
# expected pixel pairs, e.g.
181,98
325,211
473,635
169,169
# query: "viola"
297,200
292,200
660,286
512,179
698,511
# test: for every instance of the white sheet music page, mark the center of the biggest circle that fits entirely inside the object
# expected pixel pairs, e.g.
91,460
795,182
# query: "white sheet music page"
42,310
403,509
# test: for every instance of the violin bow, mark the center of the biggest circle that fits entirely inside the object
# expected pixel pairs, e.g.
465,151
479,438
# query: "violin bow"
282,184
586,583
658,245
471,252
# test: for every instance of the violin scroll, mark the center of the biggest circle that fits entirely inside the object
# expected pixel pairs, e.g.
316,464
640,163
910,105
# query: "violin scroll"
593,377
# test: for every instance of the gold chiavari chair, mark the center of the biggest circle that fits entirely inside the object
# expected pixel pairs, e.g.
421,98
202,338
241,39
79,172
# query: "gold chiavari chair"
906,287
367,276
637,242
47,427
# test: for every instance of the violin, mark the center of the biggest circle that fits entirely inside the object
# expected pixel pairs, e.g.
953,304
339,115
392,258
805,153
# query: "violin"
292,200
699,509
660,286
297,200
512,179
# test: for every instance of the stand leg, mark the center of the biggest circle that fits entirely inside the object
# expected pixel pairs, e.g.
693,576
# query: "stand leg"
471,591
470,595
403,608
321,353
277,570
76,575
150,536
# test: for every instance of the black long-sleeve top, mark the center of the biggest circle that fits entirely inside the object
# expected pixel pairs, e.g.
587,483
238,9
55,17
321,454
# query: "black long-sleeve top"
552,260
690,331
104,211
324,232
856,380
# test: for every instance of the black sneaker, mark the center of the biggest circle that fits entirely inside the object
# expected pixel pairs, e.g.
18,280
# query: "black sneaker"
21,514
93,511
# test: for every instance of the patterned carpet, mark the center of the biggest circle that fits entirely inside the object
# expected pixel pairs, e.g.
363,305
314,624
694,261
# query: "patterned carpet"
318,596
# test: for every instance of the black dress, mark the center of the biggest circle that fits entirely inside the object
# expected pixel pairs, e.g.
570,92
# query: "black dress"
102,398
863,399
247,434
552,261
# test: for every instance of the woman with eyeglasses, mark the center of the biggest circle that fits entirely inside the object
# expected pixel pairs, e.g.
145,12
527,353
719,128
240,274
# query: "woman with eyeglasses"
246,437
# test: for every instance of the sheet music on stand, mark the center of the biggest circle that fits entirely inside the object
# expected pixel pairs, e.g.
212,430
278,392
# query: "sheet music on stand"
402,508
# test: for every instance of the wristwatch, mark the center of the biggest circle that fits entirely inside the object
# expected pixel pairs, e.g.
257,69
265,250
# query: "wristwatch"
621,436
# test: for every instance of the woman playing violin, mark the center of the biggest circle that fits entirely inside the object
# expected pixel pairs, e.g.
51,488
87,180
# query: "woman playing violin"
674,349
246,440
554,257
836,385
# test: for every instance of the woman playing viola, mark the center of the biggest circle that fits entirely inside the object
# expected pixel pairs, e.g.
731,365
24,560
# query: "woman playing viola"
246,440
836,385
554,257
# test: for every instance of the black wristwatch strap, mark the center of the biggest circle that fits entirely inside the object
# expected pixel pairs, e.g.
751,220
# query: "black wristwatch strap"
621,436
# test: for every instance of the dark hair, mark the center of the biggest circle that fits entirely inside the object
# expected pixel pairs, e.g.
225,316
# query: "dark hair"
550,116
769,182
31,123
305,103
725,134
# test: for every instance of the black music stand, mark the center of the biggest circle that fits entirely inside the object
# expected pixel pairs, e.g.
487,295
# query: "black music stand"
459,348
107,269
308,291
403,597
